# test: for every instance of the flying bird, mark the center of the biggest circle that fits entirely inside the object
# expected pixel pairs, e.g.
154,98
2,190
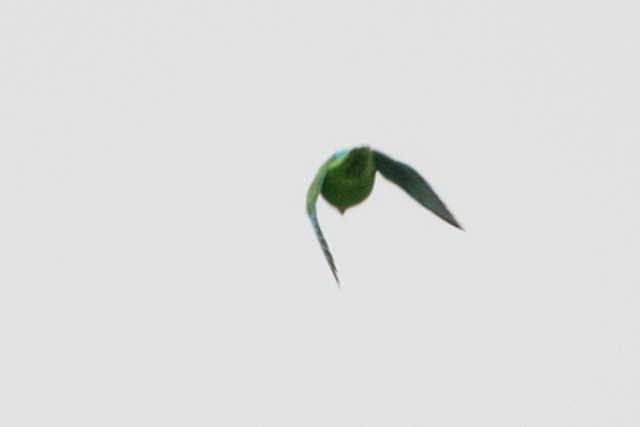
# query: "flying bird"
347,178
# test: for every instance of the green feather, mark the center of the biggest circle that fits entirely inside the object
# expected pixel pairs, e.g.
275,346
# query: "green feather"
415,185
347,179
312,197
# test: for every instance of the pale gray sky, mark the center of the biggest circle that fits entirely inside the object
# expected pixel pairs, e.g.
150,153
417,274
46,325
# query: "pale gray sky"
157,266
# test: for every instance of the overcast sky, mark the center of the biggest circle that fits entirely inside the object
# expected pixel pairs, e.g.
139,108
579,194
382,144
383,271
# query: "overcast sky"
157,266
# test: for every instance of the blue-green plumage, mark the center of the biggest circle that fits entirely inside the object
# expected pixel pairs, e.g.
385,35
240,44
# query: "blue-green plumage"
347,179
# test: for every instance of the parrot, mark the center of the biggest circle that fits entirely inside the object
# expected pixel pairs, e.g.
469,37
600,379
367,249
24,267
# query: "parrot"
346,179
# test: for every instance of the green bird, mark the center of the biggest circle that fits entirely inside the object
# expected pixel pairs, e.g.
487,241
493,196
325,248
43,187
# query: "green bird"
347,178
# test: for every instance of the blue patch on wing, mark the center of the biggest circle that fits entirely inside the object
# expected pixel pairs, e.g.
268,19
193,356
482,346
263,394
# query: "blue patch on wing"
340,154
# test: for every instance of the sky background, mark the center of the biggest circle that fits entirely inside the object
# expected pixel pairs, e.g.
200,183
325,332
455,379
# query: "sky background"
157,266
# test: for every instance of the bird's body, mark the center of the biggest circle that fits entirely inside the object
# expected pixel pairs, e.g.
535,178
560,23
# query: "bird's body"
347,179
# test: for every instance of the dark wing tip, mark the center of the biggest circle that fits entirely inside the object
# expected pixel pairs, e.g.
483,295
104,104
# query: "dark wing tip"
456,224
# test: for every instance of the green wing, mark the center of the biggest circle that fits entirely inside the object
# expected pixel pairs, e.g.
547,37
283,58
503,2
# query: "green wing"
411,182
312,197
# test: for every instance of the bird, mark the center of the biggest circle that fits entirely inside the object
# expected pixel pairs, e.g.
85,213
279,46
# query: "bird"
346,179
